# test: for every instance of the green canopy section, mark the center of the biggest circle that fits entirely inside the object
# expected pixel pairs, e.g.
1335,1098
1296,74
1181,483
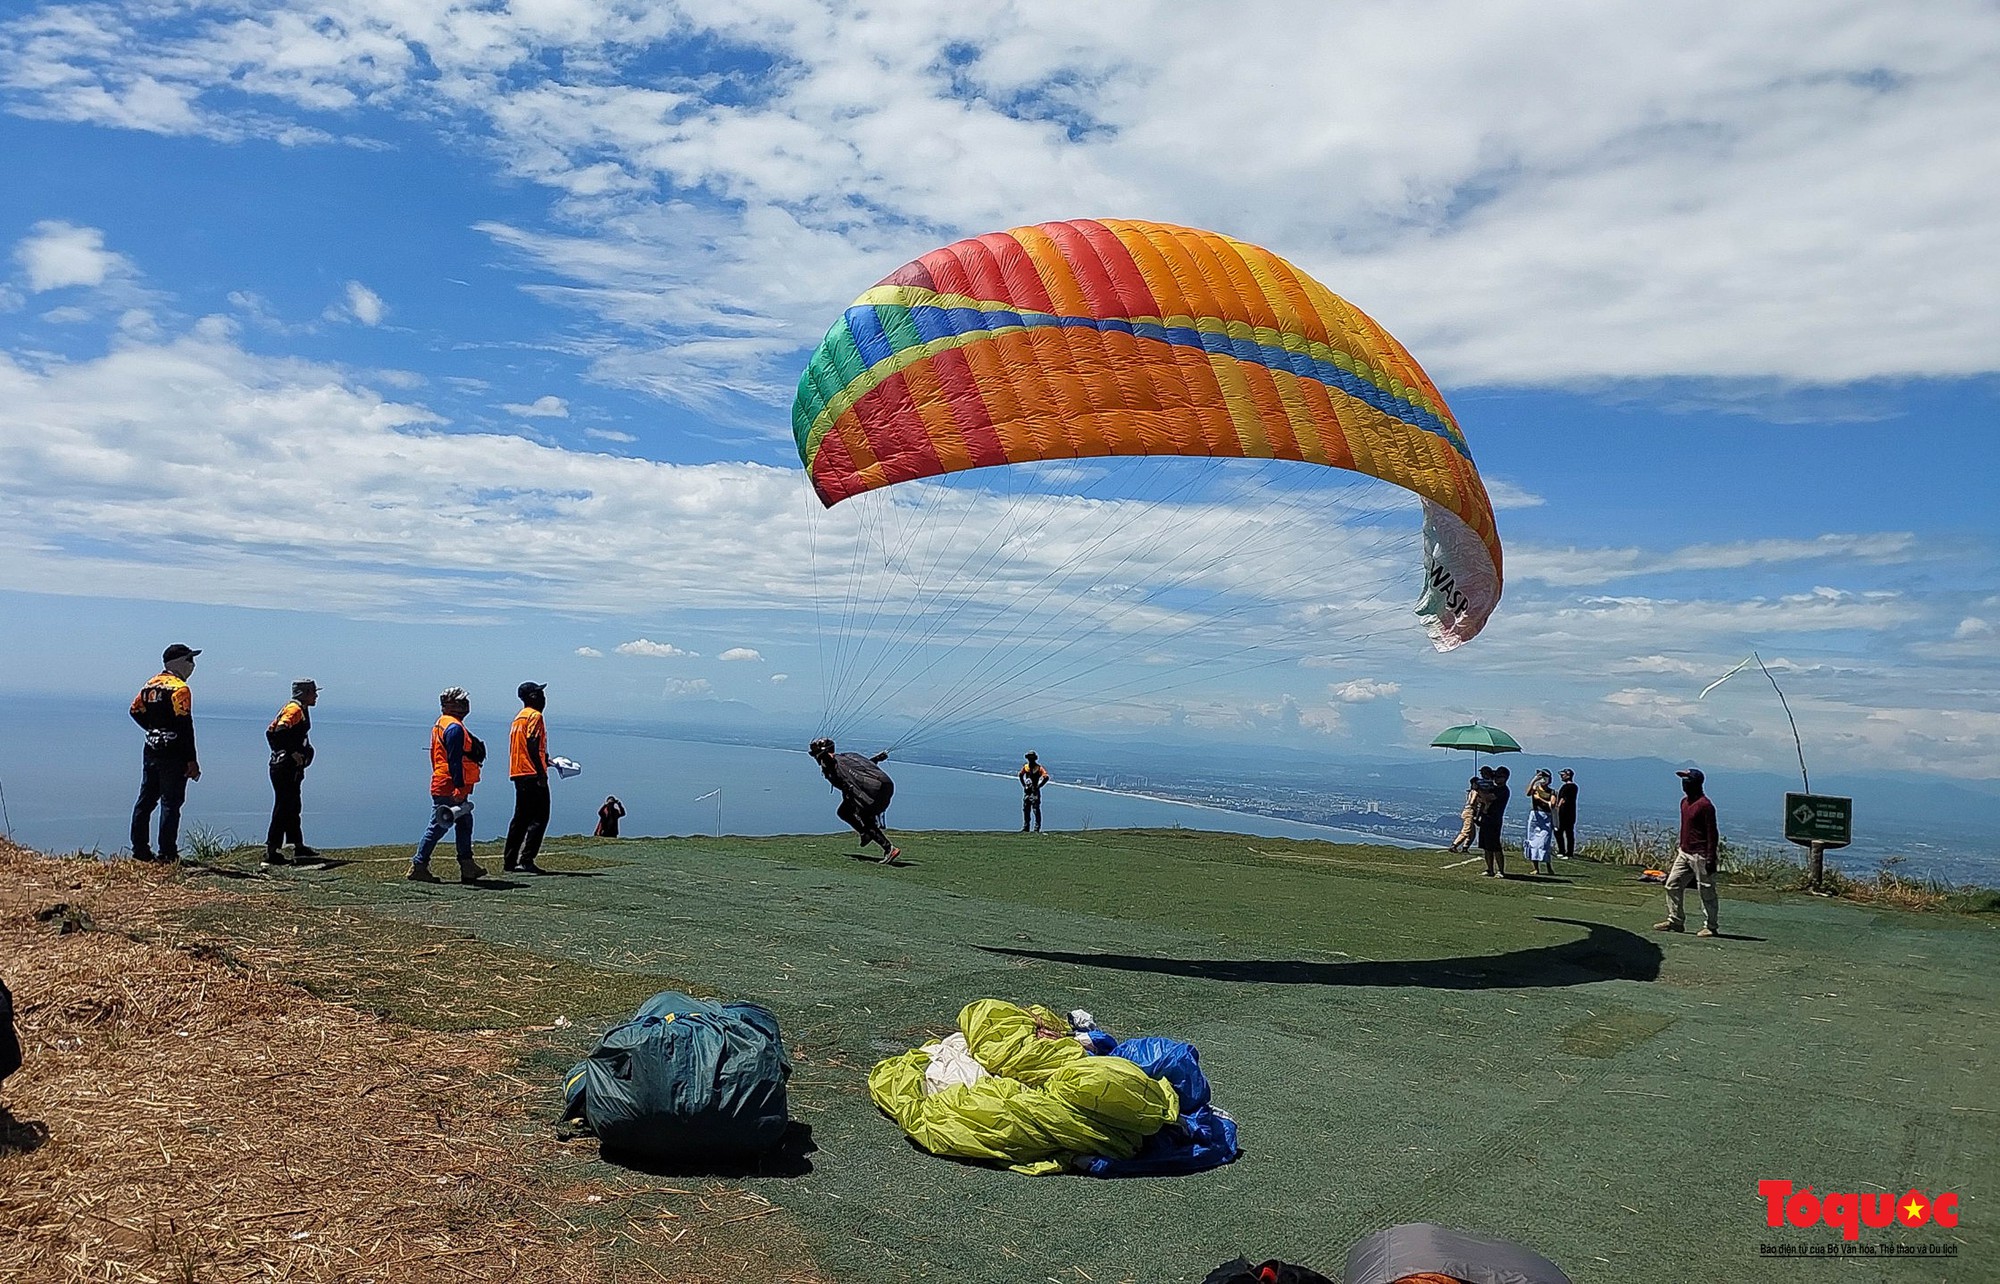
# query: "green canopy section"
1046,1103
1478,737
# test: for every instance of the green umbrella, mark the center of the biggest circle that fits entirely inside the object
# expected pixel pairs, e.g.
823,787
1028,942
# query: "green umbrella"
1477,737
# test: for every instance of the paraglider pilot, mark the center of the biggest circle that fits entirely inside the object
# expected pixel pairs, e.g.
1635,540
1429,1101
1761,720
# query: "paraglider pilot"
865,790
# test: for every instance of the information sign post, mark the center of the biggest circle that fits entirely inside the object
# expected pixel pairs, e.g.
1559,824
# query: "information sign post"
1817,822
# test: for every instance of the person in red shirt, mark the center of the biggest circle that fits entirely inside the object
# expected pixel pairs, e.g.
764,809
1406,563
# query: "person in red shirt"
1700,846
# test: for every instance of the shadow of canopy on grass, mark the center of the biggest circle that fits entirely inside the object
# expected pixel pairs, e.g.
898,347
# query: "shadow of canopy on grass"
1605,953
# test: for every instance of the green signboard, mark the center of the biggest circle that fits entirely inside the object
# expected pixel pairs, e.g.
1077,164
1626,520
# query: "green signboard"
1818,818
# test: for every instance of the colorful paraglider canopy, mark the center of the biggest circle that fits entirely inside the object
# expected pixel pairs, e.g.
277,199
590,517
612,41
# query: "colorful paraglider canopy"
1102,337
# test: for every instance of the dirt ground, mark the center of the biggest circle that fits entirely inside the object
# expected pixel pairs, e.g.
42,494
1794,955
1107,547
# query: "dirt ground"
186,1114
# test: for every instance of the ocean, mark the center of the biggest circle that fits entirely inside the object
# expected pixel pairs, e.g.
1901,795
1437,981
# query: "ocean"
69,771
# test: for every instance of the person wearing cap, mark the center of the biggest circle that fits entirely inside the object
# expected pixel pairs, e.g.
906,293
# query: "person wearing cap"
456,756
1700,846
865,791
528,768
1566,815
290,739
1033,776
164,707
608,817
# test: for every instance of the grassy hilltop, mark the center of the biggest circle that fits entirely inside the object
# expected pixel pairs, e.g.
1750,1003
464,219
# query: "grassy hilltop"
1398,1039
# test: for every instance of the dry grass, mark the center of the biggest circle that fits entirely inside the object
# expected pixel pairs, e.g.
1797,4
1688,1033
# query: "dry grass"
200,1119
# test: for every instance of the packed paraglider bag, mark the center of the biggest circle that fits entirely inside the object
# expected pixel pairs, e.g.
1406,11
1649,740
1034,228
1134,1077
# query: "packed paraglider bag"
685,1078
1428,1252
1041,1094
10,1042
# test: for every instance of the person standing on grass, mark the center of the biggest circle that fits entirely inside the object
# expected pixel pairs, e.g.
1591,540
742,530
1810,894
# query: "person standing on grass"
608,817
528,768
290,739
1475,801
1033,776
1566,815
456,756
1492,822
1541,824
164,707
1700,848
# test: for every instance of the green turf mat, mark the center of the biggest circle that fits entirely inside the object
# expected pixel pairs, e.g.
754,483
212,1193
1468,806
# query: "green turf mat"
1398,1039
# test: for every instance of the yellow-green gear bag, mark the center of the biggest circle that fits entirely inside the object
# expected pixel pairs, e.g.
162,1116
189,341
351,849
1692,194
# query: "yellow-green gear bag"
1048,1102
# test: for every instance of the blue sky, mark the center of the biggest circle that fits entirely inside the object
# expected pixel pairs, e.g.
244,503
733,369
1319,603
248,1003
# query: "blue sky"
419,345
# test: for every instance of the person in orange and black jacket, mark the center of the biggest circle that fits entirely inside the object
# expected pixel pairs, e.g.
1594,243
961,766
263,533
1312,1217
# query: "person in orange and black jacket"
165,708
290,738
1032,776
528,767
456,756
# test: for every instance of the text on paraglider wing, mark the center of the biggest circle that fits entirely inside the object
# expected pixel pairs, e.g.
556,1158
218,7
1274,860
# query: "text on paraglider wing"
1447,588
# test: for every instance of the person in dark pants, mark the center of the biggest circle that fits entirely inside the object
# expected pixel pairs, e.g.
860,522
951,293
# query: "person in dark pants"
865,791
1566,815
165,708
528,768
1033,776
608,817
1492,823
290,738
456,758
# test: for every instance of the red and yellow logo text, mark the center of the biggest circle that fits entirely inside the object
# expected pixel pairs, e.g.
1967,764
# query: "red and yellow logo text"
1787,1205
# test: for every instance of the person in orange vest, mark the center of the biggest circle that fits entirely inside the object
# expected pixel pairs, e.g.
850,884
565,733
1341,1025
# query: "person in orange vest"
290,738
165,708
456,755
528,768
1033,776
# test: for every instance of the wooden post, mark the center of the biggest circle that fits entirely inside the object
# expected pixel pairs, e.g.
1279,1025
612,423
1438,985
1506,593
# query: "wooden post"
1815,864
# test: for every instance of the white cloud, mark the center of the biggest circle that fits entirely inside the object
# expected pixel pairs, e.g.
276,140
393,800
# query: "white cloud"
778,678
590,653
56,255
1590,566
654,650
1506,495
684,688
360,304
1667,664
540,408
188,468
1363,690
610,434
741,653
1524,196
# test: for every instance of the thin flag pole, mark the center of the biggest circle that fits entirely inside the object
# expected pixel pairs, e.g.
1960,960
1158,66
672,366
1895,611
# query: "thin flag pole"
1798,745
716,794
